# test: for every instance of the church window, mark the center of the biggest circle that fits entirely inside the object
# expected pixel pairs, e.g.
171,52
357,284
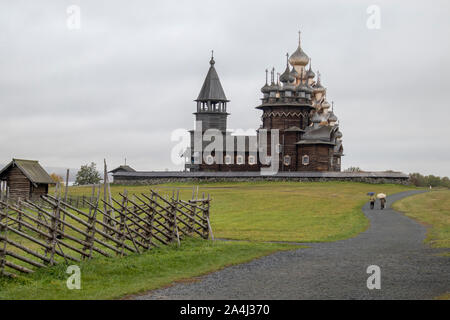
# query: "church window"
287,160
228,159
240,159
305,160
251,160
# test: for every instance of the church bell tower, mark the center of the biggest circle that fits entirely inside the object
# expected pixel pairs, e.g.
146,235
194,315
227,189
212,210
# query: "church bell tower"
212,102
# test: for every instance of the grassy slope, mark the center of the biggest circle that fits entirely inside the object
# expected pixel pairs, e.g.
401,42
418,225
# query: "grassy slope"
104,278
259,211
281,211
432,209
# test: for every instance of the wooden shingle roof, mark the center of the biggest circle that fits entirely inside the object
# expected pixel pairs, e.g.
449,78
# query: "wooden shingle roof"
212,88
123,168
31,169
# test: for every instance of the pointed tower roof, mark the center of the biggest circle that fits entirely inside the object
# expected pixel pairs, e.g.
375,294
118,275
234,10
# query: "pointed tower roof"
212,88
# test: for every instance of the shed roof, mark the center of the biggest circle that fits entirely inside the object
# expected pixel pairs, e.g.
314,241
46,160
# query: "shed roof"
31,169
322,133
123,168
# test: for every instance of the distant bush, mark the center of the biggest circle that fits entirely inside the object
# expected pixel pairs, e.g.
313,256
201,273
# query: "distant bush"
57,178
425,181
87,174
353,169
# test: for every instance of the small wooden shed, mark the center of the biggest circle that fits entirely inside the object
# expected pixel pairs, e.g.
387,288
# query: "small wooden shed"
26,179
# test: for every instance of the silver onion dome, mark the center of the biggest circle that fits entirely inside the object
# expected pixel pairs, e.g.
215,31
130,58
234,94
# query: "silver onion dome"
333,118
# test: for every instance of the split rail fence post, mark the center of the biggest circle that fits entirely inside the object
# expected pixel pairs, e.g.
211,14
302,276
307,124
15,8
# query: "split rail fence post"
3,238
66,191
19,214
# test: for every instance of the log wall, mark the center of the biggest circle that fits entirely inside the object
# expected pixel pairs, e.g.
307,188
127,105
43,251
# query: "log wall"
18,183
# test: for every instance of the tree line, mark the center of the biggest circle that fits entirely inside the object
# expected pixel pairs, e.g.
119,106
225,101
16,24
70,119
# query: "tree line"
426,181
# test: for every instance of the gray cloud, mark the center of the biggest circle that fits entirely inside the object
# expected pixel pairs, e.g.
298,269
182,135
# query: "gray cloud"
121,84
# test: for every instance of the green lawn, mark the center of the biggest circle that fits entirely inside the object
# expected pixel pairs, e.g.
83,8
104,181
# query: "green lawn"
112,278
280,211
258,211
432,209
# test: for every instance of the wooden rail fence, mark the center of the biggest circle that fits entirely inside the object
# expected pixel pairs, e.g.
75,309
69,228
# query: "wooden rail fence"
36,235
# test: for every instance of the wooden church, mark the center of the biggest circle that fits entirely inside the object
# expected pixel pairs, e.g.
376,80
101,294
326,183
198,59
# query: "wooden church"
294,104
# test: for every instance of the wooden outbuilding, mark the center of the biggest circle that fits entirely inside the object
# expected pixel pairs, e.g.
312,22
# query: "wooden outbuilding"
25,179
121,169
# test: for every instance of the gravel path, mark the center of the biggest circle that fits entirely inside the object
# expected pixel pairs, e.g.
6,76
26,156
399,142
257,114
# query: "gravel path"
409,269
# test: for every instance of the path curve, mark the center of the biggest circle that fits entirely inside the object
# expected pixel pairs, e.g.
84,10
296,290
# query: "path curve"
336,270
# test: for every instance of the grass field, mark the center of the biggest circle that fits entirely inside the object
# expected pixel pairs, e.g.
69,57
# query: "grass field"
433,210
280,211
259,211
104,278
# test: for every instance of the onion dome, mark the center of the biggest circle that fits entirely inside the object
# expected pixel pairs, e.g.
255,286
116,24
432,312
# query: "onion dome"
316,118
318,86
274,87
266,87
299,57
286,76
294,73
326,104
310,74
333,118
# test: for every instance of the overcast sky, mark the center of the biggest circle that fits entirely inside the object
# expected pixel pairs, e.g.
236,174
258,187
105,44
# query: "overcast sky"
118,86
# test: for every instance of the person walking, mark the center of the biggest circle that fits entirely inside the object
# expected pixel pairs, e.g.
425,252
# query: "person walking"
382,198
383,203
372,202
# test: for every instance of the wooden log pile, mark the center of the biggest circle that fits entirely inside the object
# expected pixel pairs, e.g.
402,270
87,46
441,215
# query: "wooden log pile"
40,234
